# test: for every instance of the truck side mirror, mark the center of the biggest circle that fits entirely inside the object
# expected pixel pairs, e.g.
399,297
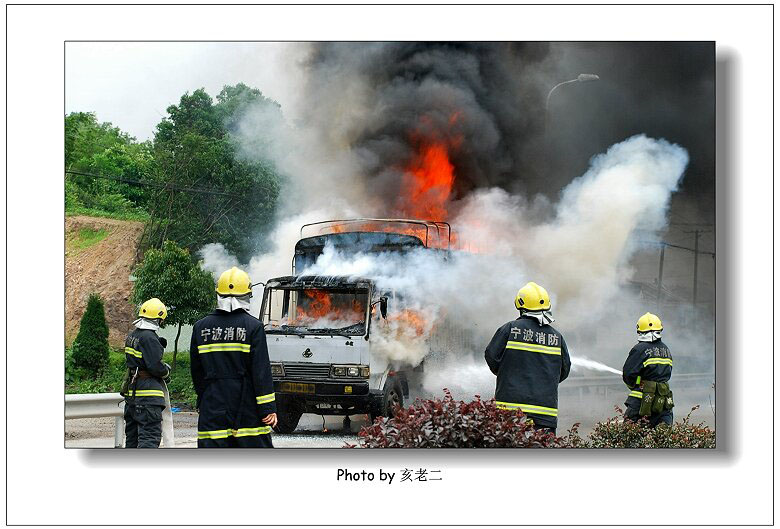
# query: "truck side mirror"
383,307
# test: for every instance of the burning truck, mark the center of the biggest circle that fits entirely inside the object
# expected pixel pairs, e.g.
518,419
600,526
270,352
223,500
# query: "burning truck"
328,335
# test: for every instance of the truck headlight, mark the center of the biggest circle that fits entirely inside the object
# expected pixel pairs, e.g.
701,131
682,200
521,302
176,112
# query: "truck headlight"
350,371
277,370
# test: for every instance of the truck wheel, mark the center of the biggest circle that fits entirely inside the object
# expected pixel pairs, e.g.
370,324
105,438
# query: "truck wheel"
393,395
287,414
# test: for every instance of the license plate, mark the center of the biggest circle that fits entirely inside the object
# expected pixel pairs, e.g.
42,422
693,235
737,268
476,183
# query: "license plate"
296,387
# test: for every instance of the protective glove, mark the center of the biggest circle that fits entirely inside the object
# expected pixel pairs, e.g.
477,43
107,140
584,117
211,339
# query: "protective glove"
167,377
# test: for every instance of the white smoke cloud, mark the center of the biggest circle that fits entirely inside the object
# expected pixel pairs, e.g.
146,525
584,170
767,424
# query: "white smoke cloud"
216,259
580,254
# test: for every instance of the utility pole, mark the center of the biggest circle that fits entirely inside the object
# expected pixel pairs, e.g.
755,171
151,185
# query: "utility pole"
660,274
696,234
695,264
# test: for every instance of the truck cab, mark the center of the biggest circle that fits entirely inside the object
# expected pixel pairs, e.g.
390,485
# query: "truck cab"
319,328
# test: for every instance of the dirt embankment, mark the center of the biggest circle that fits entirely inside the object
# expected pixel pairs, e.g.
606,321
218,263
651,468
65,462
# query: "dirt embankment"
103,267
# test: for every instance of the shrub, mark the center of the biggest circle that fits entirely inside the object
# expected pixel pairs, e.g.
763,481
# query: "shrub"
71,374
110,379
72,199
447,423
90,348
112,203
450,423
619,433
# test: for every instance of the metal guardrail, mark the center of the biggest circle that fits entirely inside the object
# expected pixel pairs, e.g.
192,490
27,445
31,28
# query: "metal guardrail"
616,380
605,385
89,405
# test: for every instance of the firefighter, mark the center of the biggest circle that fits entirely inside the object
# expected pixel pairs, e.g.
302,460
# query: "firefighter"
530,359
143,390
647,371
231,371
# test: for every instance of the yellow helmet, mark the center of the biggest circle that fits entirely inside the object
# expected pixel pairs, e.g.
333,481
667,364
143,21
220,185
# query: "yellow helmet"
154,309
649,322
234,282
532,297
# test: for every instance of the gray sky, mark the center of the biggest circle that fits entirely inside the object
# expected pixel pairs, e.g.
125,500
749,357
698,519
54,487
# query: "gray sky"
131,84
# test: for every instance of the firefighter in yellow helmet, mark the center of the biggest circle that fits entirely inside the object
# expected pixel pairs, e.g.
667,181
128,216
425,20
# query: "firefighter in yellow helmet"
144,397
231,372
646,372
530,358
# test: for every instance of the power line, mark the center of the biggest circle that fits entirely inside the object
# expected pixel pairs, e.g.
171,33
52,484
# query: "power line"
173,187
663,243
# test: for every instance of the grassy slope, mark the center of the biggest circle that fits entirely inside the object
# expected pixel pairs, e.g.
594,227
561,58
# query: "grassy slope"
84,238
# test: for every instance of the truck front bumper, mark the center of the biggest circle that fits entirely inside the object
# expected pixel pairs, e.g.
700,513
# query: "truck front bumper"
325,397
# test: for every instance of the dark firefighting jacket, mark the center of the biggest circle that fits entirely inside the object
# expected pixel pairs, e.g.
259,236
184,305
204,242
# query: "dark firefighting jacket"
529,360
231,374
646,361
143,351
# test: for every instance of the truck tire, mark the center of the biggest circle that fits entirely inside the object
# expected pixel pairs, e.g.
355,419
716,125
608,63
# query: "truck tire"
287,416
392,395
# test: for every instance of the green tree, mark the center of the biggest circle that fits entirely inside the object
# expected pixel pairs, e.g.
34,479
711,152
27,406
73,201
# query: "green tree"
101,148
171,275
90,348
193,147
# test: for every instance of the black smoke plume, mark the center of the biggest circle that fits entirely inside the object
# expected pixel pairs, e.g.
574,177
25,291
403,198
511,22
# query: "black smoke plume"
486,101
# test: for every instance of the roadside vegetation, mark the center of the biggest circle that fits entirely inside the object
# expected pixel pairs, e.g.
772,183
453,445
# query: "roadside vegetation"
89,352
109,379
190,184
172,276
450,423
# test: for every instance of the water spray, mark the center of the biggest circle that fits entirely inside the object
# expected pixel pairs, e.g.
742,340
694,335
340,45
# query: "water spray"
581,361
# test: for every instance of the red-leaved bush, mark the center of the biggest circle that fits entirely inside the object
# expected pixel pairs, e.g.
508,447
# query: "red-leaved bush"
450,423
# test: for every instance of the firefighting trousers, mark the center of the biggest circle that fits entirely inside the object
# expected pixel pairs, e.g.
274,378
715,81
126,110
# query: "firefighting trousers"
666,416
143,426
228,417
237,441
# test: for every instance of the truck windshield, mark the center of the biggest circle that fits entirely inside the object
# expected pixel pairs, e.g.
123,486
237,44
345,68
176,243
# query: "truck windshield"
315,311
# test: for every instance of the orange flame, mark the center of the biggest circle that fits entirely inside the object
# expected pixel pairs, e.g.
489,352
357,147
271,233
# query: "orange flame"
411,319
316,304
427,182
426,188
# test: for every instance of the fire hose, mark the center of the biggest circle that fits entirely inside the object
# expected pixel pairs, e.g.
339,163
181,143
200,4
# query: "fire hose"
167,420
